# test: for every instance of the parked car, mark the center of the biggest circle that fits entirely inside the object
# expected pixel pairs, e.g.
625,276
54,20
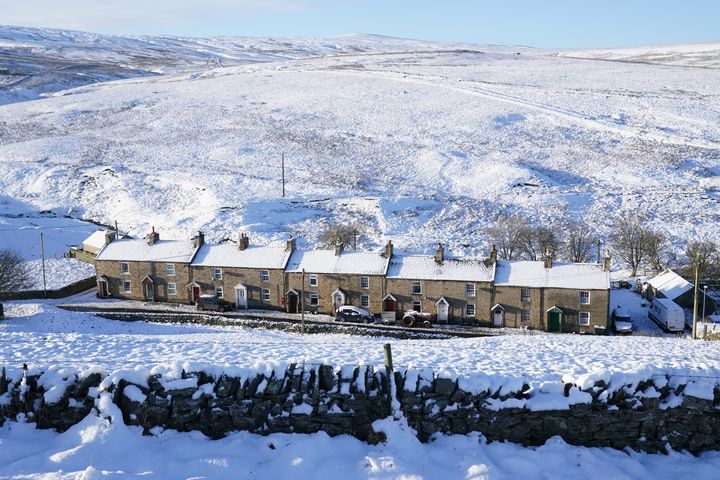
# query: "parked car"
348,313
668,314
414,318
622,322
212,302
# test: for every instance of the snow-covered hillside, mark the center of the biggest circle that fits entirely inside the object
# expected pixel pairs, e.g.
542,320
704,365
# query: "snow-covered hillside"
706,55
419,146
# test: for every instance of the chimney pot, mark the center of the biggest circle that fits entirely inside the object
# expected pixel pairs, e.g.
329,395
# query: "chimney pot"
440,254
290,246
388,249
338,249
244,242
548,259
607,261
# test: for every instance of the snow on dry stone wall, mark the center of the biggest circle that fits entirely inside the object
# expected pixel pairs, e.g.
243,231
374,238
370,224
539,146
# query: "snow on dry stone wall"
618,411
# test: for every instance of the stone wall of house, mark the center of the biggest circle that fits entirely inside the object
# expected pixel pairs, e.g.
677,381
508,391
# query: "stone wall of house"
137,271
328,283
647,415
250,278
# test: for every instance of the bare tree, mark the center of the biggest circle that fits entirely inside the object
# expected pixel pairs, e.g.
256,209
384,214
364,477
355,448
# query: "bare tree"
537,240
506,234
629,240
336,233
708,258
579,242
14,277
655,245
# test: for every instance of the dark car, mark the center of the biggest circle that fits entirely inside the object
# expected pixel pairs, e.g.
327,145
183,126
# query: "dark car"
348,313
211,302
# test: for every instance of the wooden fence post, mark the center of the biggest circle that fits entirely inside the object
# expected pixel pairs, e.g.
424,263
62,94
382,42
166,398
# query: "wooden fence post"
389,374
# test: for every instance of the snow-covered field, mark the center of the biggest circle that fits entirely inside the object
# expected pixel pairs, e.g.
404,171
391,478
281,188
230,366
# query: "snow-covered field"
417,146
59,272
41,335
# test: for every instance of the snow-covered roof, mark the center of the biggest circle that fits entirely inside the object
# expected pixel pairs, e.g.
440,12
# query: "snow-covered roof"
325,261
138,250
229,255
424,267
533,274
668,304
670,284
96,240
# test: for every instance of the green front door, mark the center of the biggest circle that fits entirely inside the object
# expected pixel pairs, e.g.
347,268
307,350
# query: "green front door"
553,321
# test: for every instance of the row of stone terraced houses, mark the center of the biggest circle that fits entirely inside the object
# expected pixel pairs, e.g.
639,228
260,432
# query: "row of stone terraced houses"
568,297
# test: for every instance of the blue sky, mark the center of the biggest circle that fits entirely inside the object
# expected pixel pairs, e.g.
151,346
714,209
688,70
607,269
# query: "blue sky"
541,23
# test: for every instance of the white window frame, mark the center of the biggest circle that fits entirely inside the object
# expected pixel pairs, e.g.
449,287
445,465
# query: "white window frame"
580,297
417,284
364,301
171,289
364,282
525,316
264,275
467,313
470,290
314,300
419,304
125,268
127,286
523,297
219,292
265,295
170,269
313,280
217,273
586,322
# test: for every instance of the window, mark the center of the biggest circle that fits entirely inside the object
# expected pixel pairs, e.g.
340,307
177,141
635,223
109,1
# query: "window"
313,299
417,306
264,275
469,289
313,280
524,294
469,309
126,286
219,292
584,298
170,269
416,288
364,301
364,282
217,273
584,318
172,289
265,295
124,268
525,316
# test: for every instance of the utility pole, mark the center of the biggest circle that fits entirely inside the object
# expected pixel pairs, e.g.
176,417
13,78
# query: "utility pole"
283,175
42,254
354,238
704,296
695,299
117,232
302,303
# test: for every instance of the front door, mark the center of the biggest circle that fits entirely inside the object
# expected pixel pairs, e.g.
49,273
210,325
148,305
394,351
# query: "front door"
195,293
103,288
442,311
241,300
498,318
338,300
554,323
149,291
292,303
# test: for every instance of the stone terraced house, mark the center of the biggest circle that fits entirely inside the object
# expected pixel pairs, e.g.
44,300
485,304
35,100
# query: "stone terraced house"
248,276
452,289
147,269
333,278
556,297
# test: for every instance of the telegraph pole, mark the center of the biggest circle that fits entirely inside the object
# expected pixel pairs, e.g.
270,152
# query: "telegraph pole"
42,255
695,299
302,303
283,175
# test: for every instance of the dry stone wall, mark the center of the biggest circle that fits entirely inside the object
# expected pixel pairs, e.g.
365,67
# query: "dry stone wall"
649,415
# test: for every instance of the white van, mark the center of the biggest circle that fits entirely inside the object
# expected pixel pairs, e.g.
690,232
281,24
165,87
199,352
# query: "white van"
668,314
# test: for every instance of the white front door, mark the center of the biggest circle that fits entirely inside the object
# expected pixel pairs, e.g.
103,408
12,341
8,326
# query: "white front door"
338,300
442,312
498,318
241,300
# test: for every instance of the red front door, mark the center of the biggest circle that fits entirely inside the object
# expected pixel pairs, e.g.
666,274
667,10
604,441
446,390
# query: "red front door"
195,294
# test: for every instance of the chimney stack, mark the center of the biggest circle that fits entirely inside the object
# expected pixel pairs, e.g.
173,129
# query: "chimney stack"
388,249
290,246
153,237
440,254
199,239
548,259
607,261
244,242
493,254
338,249
109,237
